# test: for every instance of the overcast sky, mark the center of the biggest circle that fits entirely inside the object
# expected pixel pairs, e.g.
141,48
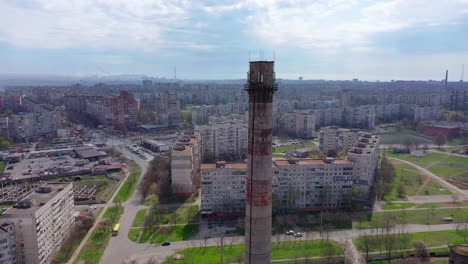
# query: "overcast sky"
339,39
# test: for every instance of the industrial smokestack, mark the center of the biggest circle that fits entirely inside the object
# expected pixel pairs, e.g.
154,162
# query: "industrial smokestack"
446,79
260,86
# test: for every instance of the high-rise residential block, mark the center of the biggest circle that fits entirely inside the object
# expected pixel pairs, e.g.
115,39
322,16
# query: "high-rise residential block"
42,221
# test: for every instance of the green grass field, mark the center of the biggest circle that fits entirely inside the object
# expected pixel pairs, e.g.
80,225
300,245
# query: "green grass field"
175,233
440,164
433,188
129,185
407,179
430,216
2,167
97,243
422,161
431,239
181,215
398,206
287,148
282,250
133,234
139,218
404,136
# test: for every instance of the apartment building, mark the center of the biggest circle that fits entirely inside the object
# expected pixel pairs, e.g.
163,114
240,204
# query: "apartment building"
185,160
7,244
27,126
328,140
114,112
359,117
425,113
300,184
225,138
334,139
329,117
347,137
299,124
42,221
387,112
365,156
202,113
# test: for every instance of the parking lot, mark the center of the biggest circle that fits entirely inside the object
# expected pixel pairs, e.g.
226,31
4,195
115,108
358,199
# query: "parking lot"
35,167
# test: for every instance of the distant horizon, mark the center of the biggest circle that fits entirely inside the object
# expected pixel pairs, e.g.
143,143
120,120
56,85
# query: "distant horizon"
135,77
214,40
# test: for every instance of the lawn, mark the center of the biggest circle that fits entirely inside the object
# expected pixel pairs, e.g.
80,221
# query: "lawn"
182,215
97,243
402,137
430,216
438,205
138,221
407,180
133,234
287,148
186,115
2,167
431,239
397,206
129,185
139,218
175,233
422,161
433,188
282,250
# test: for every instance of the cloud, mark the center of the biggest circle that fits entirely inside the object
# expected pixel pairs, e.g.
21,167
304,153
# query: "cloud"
95,24
340,23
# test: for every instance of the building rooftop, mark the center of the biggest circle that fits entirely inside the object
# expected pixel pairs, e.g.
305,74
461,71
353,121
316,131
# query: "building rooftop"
154,142
35,200
460,249
276,163
280,163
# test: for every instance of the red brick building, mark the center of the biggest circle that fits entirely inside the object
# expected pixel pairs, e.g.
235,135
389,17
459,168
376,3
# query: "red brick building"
446,130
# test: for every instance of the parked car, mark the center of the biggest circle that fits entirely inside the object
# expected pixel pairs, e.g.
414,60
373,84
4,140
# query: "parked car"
298,234
166,243
290,232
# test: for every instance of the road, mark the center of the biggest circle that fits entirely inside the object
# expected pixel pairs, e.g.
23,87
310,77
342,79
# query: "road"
120,246
121,249
96,222
159,253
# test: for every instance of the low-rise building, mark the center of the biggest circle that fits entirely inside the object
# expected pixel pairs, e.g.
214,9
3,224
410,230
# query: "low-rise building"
42,221
154,145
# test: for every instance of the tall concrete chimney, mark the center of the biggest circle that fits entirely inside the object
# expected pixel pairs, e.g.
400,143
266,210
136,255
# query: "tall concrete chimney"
260,86
446,79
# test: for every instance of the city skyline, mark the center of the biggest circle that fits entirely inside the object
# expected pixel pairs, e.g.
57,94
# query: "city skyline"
333,40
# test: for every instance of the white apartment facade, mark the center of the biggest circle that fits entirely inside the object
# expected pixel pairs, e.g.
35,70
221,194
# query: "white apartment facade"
7,244
365,155
184,165
299,124
223,139
300,184
42,221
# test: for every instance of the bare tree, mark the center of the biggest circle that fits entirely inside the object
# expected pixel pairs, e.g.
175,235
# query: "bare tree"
421,250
